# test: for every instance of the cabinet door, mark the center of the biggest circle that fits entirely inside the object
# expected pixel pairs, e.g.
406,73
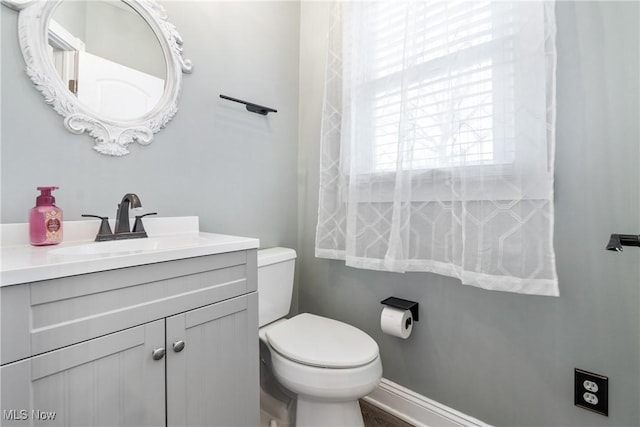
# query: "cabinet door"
213,380
108,381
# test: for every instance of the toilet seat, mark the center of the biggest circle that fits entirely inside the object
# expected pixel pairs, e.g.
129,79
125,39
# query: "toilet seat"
318,341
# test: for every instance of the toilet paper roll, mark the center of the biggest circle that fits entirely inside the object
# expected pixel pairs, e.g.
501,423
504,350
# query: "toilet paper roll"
396,322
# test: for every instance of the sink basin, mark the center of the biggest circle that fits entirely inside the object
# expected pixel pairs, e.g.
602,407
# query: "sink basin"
116,247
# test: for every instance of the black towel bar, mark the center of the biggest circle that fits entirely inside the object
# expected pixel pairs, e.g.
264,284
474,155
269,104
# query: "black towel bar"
254,108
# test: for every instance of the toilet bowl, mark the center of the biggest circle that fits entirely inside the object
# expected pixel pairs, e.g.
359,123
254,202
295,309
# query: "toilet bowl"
326,363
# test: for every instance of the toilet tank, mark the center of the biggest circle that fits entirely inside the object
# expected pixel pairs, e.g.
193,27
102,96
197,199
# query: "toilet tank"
276,267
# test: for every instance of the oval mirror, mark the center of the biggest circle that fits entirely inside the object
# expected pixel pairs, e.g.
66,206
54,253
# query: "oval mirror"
108,57
111,68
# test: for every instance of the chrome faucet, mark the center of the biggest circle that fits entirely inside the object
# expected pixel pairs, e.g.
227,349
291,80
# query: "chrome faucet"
122,216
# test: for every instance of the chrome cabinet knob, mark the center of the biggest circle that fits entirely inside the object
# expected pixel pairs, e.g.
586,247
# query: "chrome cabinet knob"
178,346
158,353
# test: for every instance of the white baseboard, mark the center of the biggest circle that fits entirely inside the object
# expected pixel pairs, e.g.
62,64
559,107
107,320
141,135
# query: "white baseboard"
416,409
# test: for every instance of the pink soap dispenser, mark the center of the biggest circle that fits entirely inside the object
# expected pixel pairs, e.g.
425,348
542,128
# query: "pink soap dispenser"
45,219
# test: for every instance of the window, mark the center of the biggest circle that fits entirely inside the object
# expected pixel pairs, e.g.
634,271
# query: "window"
445,73
438,140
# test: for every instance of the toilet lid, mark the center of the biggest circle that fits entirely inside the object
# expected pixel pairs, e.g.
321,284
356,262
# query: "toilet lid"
318,341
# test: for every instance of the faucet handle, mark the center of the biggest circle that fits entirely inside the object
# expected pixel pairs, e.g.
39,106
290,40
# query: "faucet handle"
137,226
105,228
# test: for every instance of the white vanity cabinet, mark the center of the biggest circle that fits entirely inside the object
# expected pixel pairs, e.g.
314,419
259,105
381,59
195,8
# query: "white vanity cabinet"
171,343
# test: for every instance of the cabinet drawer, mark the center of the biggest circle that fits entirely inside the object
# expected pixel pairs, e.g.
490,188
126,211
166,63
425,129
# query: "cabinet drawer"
43,316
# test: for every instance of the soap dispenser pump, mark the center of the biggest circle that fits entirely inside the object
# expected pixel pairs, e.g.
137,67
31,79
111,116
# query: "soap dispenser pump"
45,219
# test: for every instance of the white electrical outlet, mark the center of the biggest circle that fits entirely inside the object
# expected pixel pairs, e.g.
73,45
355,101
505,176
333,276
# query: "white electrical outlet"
590,385
591,391
590,398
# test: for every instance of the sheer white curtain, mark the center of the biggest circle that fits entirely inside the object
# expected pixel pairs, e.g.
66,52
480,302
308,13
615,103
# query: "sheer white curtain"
437,146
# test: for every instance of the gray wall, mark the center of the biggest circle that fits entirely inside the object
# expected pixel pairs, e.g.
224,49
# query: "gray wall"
235,169
508,359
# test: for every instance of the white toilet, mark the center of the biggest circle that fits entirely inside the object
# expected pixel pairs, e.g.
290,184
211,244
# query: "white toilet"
328,364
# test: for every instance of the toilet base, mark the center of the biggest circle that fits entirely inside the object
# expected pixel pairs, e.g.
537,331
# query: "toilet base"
319,413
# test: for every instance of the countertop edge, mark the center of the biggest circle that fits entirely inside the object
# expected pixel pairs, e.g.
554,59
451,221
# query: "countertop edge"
97,264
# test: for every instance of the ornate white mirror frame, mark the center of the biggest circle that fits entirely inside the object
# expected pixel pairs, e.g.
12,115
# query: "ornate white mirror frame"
111,136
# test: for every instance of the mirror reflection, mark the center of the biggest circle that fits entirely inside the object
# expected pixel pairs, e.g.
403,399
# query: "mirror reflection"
108,57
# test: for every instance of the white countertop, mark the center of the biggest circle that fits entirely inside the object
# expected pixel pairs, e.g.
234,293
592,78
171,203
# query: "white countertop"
169,239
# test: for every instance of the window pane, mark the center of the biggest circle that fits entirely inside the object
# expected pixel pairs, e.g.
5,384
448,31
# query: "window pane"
432,91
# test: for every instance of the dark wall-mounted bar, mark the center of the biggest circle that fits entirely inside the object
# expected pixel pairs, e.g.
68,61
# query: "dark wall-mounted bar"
254,108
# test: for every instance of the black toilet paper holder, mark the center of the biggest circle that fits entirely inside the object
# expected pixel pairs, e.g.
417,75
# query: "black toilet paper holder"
402,304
